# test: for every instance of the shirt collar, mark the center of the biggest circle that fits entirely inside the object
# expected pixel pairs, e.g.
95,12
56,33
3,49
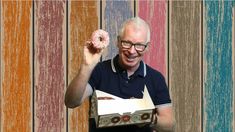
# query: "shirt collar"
117,68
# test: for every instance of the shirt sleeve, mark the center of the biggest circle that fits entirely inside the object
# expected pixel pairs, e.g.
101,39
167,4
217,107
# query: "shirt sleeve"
95,77
163,96
158,89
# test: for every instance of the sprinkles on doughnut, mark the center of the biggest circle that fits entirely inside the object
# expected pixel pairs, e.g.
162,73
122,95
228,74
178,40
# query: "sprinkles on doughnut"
100,39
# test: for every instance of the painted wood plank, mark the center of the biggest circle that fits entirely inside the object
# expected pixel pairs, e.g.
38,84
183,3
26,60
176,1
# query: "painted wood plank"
50,53
83,20
155,13
1,65
217,64
184,64
233,51
16,66
114,14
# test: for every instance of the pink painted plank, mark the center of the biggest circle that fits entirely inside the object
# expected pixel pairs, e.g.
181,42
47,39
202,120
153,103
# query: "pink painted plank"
83,20
50,33
16,67
155,13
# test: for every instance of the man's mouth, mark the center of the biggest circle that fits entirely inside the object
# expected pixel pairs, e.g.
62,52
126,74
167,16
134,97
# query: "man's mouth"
130,58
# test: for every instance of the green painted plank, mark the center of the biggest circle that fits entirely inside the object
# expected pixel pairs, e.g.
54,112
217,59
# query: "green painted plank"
217,64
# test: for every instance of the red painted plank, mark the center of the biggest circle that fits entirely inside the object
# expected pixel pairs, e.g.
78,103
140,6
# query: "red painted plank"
83,20
16,80
155,13
50,33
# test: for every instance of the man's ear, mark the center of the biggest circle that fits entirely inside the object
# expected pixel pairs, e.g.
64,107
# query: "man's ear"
148,46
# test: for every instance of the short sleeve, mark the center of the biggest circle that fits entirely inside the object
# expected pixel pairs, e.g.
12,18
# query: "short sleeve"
95,77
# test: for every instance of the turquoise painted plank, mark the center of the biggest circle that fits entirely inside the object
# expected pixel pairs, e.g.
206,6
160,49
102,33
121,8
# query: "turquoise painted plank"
218,79
115,12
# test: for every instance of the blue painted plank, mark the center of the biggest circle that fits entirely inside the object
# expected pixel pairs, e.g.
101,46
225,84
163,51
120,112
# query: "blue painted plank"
115,12
218,68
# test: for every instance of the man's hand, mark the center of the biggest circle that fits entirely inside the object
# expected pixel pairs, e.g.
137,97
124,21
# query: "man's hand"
94,48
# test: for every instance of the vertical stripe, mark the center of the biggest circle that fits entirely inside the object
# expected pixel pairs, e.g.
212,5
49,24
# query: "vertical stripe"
184,60
233,50
49,66
218,81
115,12
16,66
1,65
83,20
155,13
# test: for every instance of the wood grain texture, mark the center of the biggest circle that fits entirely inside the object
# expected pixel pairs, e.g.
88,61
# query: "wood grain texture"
1,65
83,20
184,64
217,64
233,50
16,67
50,33
114,14
155,13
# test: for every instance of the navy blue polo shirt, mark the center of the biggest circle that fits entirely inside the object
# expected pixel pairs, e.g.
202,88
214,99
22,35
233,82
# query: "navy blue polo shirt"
110,77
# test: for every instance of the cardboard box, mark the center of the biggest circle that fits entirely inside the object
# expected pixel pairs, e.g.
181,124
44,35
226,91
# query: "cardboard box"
109,110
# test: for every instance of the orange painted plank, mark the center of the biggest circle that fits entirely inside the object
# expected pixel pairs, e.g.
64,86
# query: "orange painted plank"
83,20
50,67
16,67
0,64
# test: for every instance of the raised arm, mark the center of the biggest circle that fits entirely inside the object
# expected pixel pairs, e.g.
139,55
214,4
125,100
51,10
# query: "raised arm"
77,89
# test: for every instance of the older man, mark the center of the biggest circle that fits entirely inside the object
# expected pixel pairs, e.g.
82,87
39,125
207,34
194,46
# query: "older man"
124,76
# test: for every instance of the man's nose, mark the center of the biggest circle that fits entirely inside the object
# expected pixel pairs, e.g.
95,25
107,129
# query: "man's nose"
132,49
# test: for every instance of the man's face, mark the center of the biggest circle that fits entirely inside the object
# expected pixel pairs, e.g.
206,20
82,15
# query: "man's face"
130,57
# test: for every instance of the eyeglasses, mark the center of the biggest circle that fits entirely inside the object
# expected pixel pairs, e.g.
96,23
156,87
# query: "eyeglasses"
138,46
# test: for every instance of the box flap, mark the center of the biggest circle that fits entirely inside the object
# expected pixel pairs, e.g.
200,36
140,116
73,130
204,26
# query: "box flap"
109,104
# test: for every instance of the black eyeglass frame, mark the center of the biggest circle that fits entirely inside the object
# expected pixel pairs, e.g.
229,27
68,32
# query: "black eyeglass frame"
131,44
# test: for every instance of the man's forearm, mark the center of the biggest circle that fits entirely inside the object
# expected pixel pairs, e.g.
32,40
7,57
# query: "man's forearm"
75,90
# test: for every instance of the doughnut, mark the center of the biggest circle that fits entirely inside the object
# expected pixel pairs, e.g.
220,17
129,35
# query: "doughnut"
100,39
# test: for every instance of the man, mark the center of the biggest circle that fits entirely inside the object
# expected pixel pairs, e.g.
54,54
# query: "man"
124,76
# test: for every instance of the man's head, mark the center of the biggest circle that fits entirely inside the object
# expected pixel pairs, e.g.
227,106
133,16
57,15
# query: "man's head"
133,40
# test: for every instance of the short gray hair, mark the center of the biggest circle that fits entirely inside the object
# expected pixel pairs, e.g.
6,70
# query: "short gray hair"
137,21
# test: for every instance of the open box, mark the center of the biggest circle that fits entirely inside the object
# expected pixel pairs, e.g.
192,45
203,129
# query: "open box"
109,110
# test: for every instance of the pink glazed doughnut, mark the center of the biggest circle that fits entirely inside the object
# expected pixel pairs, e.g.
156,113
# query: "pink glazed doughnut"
100,39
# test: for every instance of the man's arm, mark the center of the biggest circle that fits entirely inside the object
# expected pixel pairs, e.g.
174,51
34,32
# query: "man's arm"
76,90
165,119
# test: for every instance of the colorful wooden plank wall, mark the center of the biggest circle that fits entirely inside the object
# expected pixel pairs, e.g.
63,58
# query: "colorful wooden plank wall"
192,45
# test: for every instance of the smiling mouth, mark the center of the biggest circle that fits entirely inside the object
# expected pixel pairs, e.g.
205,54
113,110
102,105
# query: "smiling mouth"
130,58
